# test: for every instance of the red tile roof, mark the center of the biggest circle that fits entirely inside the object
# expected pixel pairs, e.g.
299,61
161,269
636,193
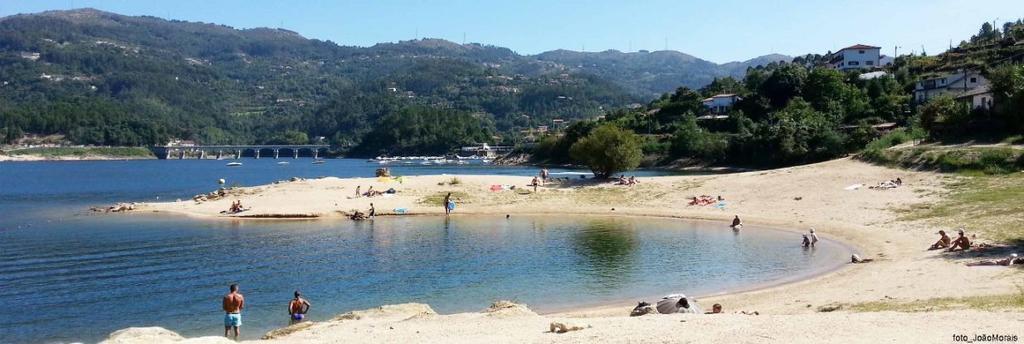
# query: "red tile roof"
860,46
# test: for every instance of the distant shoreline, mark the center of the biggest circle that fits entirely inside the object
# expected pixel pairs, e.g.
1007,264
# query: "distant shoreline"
75,153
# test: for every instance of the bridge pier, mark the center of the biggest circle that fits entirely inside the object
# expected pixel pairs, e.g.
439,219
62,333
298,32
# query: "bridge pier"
316,154
220,154
181,155
238,154
276,153
202,154
257,153
167,154
296,153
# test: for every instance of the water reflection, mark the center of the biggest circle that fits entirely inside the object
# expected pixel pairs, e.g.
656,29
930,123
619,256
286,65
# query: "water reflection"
608,247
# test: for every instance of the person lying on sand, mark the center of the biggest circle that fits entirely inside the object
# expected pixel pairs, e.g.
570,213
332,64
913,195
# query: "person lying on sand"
715,309
943,242
1012,259
855,259
961,243
298,308
642,308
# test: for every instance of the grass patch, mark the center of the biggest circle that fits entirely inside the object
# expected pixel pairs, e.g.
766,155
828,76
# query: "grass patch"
53,152
990,204
972,160
987,302
437,199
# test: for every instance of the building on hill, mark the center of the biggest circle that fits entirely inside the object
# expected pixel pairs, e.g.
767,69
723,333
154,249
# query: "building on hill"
720,103
858,56
978,98
969,86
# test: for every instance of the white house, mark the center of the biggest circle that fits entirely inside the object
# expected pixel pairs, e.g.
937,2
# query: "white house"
720,103
858,56
979,98
966,84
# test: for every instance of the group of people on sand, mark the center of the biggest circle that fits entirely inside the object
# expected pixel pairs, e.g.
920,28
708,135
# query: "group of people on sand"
962,243
236,207
234,302
627,181
889,184
370,192
705,200
677,303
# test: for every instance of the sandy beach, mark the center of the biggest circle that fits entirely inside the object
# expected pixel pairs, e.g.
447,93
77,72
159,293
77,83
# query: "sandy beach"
797,198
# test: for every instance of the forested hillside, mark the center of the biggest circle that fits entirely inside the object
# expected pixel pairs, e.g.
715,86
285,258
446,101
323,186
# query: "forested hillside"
104,78
805,111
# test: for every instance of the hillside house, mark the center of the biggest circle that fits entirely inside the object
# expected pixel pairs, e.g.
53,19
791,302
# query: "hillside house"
858,56
969,86
720,103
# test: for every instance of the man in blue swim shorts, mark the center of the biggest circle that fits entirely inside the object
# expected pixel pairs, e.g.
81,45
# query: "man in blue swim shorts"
233,304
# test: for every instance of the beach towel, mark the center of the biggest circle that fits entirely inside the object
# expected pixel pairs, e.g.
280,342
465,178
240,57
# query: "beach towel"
853,187
496,187
400,211
720,205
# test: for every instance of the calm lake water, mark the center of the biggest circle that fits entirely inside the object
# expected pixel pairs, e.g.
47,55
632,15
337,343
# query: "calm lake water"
69,275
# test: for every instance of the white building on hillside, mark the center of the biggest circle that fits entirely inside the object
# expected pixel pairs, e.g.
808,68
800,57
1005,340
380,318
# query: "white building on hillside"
858,56
968,86
720,103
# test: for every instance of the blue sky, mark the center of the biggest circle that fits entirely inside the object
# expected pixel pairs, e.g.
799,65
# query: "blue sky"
719,31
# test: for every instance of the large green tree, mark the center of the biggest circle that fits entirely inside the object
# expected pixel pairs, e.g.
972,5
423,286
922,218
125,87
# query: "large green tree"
607,150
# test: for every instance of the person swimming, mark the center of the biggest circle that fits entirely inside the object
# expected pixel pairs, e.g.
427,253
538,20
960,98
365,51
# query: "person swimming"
807,241
298,308
736,223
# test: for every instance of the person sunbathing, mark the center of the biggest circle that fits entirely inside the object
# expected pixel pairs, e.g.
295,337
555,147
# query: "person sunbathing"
943,242
961,243
715,309
1012,259
858,260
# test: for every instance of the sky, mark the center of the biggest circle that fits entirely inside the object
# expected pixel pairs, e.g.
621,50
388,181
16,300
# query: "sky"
718,31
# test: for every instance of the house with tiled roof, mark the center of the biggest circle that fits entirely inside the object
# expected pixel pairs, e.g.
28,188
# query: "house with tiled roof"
859,56
967,86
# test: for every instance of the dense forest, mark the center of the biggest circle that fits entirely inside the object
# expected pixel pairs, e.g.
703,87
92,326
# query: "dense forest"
803,111
107,79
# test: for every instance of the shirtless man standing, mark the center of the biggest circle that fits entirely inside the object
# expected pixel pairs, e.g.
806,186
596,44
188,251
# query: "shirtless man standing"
233,304
297,308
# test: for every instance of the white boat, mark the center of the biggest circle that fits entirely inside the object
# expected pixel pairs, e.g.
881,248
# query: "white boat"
318,161
233,164
282,162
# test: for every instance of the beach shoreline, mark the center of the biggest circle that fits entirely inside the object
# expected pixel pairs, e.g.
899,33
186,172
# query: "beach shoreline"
793,199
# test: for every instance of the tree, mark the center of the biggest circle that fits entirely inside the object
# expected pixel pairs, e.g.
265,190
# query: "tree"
608,150
1008,91
944,115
